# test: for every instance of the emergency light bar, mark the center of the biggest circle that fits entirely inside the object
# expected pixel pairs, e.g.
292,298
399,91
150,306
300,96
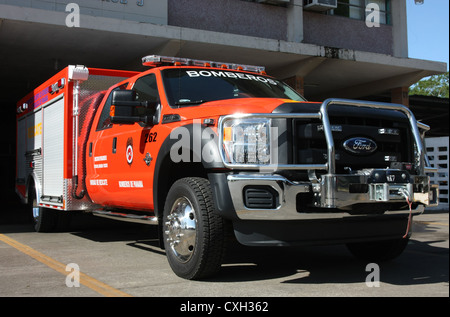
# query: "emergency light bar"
157,60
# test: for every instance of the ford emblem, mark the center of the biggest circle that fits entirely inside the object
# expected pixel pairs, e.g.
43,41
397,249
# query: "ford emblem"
360,145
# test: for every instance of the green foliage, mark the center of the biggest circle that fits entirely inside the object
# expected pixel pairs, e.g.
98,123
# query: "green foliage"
436,86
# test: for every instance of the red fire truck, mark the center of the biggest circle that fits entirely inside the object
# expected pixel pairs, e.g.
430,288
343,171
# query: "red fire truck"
208,150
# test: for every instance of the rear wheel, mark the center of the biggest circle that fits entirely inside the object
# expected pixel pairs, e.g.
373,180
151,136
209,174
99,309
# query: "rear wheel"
43,219
378,251
194,235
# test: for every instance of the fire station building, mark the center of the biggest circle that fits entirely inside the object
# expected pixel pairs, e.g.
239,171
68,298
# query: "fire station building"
323,48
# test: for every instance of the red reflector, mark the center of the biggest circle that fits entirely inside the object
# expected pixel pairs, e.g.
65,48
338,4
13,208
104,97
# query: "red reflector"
61,83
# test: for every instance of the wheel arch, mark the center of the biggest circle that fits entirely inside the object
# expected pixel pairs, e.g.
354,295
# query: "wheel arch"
33,184
167,171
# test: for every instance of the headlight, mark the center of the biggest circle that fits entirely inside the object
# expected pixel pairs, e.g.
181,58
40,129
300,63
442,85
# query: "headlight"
247,141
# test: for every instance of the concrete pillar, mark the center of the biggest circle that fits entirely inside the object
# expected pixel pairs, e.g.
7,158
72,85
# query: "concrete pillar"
399,28
400,95
295,21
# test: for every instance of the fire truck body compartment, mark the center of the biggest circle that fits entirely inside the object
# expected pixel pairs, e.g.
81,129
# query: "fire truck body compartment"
48,145
53,153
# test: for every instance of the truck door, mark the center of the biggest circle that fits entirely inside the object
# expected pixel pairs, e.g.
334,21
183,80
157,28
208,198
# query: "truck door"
122,155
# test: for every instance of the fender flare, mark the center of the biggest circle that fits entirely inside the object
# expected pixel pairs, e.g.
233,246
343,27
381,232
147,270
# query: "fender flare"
200,142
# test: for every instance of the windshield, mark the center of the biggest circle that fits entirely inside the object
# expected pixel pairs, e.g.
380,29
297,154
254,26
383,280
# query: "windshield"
192,86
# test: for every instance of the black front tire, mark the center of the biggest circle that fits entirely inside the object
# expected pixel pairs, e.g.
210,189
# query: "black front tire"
193,233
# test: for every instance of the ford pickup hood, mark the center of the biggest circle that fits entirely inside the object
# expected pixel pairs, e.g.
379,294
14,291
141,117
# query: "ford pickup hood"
232,106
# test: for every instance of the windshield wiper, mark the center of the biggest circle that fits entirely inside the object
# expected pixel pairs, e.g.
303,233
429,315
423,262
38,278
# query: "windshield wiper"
189,102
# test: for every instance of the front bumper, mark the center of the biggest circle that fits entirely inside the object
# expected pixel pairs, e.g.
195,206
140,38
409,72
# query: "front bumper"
268,208
274,197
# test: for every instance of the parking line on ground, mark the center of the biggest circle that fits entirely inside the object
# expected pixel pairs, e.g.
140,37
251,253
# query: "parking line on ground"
86,280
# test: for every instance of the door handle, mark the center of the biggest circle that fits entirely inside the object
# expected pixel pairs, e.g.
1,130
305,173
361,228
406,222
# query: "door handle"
114,145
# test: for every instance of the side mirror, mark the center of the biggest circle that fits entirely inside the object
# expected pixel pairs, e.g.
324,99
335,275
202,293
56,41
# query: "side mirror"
126,110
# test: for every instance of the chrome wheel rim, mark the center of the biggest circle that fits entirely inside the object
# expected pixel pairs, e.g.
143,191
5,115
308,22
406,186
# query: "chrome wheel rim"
181,229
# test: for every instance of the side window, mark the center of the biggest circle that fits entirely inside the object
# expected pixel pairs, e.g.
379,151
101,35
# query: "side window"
105,121
146,90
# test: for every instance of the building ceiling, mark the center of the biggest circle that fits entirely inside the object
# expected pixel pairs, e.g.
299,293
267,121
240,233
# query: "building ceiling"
30,53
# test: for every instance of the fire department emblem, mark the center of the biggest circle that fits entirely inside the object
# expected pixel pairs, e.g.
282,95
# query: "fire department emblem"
129,151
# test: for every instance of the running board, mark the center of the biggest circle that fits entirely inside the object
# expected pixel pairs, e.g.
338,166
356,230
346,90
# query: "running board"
129,217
